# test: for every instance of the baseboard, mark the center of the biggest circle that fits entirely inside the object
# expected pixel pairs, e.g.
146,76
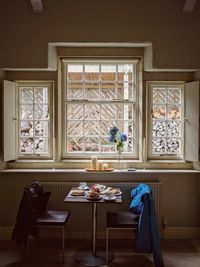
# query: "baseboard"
167,233
5,233
181,233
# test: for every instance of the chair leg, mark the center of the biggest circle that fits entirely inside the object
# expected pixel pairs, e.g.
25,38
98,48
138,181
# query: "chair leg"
63,244
27,248
106,245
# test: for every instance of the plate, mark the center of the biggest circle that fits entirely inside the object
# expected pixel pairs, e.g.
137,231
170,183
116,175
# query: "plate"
92,170
83,188
93,198
77,192
116,191
107,198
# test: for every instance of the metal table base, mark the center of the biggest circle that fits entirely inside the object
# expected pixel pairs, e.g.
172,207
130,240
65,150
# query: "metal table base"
85,257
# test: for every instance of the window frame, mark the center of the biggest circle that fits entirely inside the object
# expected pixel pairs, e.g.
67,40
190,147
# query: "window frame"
149,89
51,144
138,104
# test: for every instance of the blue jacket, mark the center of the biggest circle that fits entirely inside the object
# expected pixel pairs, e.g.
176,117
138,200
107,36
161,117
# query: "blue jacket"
147,237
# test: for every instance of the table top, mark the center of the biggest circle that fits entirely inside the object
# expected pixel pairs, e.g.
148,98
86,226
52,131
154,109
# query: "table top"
83,199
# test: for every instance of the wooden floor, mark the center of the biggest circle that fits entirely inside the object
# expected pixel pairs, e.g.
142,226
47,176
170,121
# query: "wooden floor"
176,253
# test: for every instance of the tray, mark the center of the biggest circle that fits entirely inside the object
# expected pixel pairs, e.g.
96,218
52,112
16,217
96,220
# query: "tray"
92,170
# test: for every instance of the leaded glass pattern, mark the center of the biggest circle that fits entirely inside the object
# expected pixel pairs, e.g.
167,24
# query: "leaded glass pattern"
34,120
97,97
167,108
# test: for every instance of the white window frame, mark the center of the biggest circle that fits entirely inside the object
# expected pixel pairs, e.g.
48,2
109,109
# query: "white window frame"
165,84
138,103
37,156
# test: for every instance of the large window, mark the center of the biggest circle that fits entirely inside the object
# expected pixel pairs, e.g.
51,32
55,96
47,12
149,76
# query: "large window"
166,119
97,96
35,133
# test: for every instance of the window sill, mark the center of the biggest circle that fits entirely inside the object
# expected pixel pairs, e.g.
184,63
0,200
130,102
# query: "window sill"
53,170
77,165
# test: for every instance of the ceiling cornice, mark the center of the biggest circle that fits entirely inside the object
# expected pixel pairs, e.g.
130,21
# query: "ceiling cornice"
37,6
189,6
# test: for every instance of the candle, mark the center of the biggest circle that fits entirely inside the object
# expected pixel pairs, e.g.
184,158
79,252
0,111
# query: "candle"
100,166
105,166
94,162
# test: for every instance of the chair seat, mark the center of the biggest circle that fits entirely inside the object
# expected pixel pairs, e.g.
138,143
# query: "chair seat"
53,218
122,219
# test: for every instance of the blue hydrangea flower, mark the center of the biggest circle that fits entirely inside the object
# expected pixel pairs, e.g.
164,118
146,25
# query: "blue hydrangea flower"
123,137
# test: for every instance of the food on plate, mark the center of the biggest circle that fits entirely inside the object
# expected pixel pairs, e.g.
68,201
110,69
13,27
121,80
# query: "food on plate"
93,194
98,187
115,191
77,192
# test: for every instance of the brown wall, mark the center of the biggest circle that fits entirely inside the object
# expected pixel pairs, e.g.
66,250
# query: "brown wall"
25,35
176,42
180,192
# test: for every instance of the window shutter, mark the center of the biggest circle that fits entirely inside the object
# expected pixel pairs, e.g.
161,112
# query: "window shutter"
9,120
192,121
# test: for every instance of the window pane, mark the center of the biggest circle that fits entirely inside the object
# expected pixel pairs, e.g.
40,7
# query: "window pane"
41,95
91,111
41,128
26,112
92,72
174,96
125,72
26,95
75,144
74,90
26,128
91,90
173,145
91,128
75,72
108,90
108,72
75,111
41,145
75,128
41,111
125,91
159,96
26,145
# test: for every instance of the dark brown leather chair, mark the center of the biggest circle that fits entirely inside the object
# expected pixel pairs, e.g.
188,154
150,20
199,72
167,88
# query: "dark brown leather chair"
120,220
53,218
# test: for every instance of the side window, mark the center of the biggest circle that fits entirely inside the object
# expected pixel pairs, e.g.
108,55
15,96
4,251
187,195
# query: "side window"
34,119
166,120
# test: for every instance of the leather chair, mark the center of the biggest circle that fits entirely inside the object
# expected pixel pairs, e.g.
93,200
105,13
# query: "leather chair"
120,220
54,218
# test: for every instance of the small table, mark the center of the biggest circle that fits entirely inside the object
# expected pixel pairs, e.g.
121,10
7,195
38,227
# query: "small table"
90,257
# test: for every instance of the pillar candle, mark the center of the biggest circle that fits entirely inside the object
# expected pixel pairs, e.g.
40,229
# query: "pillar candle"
94,162
105,166
100,166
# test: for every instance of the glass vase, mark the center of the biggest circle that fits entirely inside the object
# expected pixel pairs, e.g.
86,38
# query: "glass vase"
120,161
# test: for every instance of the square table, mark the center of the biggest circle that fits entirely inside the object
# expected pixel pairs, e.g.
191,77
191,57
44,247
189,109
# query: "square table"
90,257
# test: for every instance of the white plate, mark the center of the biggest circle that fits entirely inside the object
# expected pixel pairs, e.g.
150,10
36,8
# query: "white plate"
93,198
107,198
83,188
118,194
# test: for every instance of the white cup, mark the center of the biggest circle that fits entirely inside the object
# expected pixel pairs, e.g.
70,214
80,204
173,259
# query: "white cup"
109,195
82,185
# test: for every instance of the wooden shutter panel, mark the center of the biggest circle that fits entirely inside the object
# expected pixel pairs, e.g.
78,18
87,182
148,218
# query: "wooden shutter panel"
192,121
9,121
